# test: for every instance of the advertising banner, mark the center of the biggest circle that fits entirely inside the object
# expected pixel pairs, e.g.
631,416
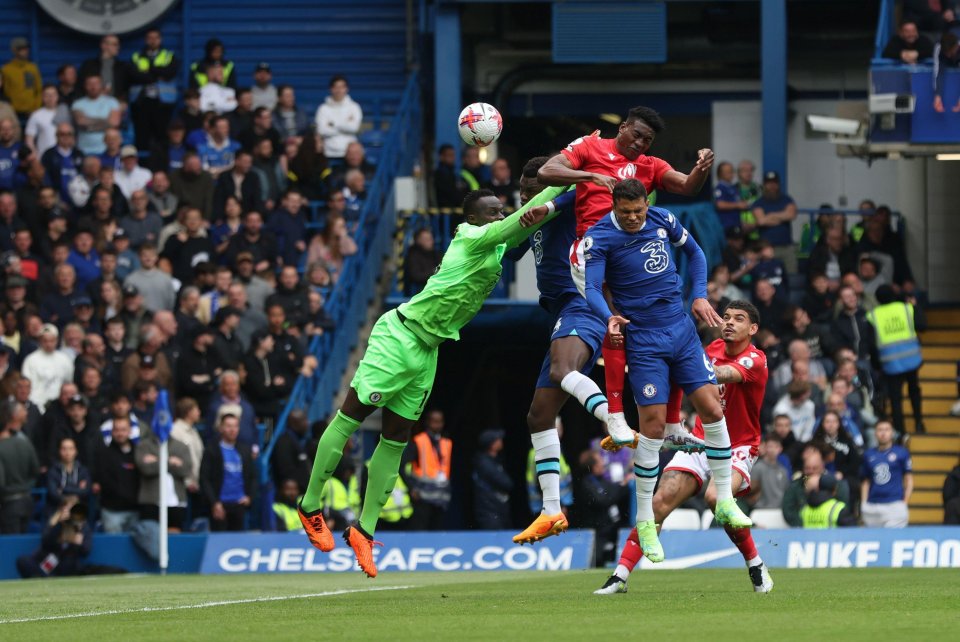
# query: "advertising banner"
421,551
917,547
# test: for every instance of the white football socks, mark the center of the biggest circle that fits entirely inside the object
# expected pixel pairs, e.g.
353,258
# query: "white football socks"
718,456
587,393
646,468
546,449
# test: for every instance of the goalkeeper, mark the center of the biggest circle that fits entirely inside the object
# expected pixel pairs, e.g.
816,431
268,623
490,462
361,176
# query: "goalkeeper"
398,368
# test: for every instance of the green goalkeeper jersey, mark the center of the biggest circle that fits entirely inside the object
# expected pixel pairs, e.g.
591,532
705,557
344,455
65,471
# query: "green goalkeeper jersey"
468,273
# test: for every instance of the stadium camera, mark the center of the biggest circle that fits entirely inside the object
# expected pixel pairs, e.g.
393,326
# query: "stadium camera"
835,126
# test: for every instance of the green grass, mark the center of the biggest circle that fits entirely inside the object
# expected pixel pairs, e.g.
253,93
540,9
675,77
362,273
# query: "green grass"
847,604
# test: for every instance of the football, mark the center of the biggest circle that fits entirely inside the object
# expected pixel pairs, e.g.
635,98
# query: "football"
480,124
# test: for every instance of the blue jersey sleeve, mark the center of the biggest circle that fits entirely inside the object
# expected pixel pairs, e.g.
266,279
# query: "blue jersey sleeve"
595,257
680,237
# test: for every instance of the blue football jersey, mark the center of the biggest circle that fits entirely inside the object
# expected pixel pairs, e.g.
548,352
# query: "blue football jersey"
551,252
885,470
639,268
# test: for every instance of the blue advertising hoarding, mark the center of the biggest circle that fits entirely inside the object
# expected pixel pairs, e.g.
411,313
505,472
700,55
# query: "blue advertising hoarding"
453,551
918,547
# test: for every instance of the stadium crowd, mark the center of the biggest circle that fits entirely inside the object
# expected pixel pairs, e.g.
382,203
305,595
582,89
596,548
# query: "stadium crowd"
159,236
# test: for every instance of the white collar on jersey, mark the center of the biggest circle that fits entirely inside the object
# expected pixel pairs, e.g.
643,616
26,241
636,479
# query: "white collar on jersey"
616,223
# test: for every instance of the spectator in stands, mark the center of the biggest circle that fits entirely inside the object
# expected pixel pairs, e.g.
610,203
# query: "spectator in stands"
290,460
218,150
795,497
264,93
768,478
251,318
153,98
850,328
257,289
159,197
196,370
240,183
215,96
131,177
951,497
254,239
803,329
264,387
80,428
21,81
868,269
491,484
67,86
213,53
908,46
82,185
179,467
153,284
727,199
67,478
93,114
421,261
895,324
799,351
720,275
502,183
32,424
190,246
797,405
354,193
597,500
843,457
21,468
818,300
354,159
47,368
114,145
832,257
116,74
887,481
770,268
55,306
450,188
929,16
262,127
193,186
288,118
338,119
188,415
116,476
167,155
227,349
127,260
823,509
886,247
772,309
62,162
291,295
40,132
472,170
228,477
285,506
141,225
66,541
774,211
190,115
429,479
230,399
308,170
332,246
946,56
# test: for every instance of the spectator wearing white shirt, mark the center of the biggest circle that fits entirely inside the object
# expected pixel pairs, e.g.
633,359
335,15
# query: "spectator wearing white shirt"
131,176
47,368
338,119
797,405
41,131
214,96
263,91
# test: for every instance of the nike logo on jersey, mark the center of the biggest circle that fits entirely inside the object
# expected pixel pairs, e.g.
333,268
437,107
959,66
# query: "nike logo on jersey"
633,242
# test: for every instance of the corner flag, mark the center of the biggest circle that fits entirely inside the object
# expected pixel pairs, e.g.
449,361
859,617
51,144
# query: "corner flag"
162,422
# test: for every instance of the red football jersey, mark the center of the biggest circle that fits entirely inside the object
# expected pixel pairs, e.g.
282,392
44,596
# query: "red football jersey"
600,156
741,401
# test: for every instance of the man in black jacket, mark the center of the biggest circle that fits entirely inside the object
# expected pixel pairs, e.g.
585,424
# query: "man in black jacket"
290,459
228,477
850,329
291,294
909,45
598,500
196,370
115,473
491,484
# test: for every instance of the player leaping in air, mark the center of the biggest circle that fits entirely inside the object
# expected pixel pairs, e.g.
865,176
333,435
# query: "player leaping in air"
629,248
595,165
398,368
741,371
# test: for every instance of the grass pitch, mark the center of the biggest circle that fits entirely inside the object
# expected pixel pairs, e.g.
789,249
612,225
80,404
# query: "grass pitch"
842,604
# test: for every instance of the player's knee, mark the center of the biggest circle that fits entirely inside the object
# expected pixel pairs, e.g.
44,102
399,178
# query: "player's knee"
537,421
711,411
558,371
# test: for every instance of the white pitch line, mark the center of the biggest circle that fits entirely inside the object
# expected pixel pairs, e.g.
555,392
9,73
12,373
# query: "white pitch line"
203,605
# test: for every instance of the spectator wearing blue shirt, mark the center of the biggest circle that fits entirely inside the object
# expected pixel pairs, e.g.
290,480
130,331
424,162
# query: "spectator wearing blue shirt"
289,226
9,149
726,197
774,211
62,161
93,114
227,478
770,268
217,152
887,474
84,259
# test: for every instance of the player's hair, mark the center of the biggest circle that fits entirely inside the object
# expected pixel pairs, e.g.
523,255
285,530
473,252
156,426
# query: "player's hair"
470,200
629,190
747,307
533,166
649,116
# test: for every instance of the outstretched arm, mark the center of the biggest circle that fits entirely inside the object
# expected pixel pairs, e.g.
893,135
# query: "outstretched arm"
690,184
701,308
559,171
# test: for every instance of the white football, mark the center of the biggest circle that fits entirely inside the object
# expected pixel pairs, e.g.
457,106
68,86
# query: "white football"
480,124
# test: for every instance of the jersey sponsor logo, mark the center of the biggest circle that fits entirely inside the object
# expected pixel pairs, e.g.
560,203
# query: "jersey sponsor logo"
627,171
881,474
746,362
649,391
375,397
659,259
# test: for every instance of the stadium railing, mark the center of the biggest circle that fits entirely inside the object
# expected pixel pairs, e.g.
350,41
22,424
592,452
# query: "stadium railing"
354,290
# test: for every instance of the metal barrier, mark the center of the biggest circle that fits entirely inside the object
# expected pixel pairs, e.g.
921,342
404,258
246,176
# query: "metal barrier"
353,291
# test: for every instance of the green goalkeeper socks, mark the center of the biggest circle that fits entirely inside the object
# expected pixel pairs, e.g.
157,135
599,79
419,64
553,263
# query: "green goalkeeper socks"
383,470
329,452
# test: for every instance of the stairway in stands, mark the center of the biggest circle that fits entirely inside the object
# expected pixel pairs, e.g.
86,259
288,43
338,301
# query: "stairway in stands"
936,453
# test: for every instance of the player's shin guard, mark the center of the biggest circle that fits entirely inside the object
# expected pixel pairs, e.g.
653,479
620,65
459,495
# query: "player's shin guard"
546,447
587,393
718,456
383,471
743,540
329,452
629,556
614,369
646,468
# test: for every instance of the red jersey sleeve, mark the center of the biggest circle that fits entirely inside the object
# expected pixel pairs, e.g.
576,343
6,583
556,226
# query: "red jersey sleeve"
752,366
578,151
660,169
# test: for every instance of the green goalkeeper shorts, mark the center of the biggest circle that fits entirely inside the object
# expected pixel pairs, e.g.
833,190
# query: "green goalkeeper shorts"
397,370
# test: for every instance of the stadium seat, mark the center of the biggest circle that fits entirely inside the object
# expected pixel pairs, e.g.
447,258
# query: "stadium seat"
706,520
768,518
682,519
